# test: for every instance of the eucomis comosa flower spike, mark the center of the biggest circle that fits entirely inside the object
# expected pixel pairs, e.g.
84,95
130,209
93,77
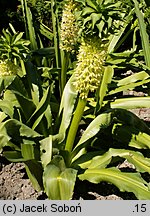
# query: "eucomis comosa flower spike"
90,66
69,28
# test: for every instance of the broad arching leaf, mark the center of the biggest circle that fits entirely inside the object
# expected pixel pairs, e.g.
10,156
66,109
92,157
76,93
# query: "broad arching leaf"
113,116
131,103
141,163
130,182
101,121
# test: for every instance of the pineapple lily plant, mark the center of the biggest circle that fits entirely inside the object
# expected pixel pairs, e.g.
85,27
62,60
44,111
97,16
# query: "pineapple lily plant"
46,136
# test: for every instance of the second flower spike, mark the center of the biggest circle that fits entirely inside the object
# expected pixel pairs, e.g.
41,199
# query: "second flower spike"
69,28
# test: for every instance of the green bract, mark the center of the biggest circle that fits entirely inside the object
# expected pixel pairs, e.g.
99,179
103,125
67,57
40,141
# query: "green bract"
89,71
7,68
69,29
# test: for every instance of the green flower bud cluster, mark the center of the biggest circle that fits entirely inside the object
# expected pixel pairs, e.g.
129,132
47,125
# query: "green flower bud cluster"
69,28
89,70
8,68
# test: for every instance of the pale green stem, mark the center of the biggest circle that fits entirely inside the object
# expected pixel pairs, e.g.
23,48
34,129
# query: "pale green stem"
75,124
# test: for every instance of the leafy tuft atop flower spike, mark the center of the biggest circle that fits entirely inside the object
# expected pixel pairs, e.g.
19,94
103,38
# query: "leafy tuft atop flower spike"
89,70
69,28
8,68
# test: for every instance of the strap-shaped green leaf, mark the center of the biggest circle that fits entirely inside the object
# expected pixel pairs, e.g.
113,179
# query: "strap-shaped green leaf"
2,116
9,103
67,106
131,82
130,182
143,32
6,81
87,10
31,31
14,156
27,151
26,104
44,30
107,77
18,130
140,141
46,150
92,4
133,78
34,171
95,126
95,18
131,103
41,108
103,120
141,163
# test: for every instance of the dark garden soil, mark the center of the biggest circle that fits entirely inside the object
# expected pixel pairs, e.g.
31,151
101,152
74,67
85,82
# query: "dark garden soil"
15,185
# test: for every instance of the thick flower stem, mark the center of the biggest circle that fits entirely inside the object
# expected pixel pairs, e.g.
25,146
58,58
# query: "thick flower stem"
74,124
65,62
